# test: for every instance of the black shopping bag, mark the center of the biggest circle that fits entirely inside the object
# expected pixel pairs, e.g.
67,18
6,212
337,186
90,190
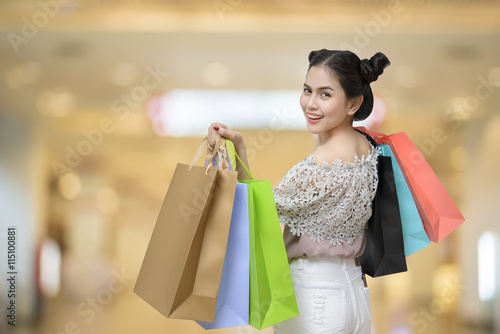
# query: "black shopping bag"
384,252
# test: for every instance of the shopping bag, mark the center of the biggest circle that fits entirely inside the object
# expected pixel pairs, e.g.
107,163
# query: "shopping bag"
272,297
181,271
439,214
384,250
230,156
233,299
414,235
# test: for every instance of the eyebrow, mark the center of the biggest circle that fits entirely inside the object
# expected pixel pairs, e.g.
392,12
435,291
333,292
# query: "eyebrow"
319,88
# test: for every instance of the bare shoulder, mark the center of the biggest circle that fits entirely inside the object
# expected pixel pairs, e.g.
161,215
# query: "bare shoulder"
363,145
345,150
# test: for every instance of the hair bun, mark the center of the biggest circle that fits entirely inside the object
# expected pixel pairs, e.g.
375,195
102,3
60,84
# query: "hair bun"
371,69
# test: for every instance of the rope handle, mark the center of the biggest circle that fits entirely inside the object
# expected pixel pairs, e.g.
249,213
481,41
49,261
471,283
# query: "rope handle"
204,147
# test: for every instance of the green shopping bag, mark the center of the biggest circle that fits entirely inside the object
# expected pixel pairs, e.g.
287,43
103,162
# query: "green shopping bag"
231,154
272,298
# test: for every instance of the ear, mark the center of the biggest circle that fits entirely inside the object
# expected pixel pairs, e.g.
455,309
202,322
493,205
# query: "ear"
354,104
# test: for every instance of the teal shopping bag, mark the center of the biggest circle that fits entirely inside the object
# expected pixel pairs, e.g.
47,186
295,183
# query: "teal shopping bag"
414,235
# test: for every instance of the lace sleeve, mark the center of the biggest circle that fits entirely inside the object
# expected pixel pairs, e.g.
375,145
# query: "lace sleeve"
328,201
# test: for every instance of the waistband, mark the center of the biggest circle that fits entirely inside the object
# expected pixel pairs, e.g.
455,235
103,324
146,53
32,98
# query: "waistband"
334,267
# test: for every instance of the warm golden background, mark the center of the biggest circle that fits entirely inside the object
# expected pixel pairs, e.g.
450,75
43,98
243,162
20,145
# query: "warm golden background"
64,63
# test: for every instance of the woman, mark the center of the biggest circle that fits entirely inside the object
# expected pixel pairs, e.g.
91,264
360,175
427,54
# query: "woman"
325,200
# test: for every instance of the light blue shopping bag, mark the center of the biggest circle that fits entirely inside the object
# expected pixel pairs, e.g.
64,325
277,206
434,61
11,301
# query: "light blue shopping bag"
233,298
414,235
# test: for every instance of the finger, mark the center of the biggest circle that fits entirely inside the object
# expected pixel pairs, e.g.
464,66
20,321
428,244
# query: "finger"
212,136
220,129
217,126
223,132
231,135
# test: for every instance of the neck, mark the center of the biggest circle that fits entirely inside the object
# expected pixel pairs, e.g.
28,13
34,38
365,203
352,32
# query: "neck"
334,134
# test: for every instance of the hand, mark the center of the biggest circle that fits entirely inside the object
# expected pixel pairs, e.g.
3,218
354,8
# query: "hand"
217,130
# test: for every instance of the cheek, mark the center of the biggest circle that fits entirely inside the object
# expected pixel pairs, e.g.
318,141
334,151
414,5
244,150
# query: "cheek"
333,106
303,101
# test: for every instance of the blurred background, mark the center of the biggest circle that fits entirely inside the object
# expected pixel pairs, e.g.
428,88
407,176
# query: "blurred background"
100,99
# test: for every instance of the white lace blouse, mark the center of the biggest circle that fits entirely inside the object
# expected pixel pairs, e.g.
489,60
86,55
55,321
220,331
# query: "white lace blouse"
325,207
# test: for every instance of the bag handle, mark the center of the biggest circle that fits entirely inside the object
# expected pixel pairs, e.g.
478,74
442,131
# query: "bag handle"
223,156
377,136
368,136
231,154
250,176
219,146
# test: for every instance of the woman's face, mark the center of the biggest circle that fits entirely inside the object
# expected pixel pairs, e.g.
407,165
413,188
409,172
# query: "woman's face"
324,102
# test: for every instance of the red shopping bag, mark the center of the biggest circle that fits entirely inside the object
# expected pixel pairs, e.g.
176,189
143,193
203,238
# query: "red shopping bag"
439,214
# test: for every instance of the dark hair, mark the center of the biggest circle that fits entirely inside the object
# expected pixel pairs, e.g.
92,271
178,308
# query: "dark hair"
353,74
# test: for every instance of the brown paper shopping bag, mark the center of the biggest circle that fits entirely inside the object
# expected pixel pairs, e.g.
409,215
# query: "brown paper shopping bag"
182,267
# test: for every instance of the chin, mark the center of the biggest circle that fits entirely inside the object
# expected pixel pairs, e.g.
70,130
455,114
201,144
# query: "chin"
313,130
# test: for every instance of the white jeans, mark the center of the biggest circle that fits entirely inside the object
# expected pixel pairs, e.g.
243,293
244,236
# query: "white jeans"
331,297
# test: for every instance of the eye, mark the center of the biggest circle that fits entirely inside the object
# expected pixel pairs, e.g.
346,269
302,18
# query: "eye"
307,91
325,94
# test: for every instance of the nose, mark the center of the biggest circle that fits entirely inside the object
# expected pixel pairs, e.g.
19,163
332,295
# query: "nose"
312,103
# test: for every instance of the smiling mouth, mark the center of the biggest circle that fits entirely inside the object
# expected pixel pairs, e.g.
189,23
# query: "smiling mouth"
314,118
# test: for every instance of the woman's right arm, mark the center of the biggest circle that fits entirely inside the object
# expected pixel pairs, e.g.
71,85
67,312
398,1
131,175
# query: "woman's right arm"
217,130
